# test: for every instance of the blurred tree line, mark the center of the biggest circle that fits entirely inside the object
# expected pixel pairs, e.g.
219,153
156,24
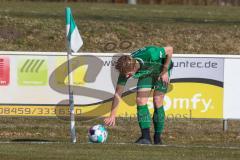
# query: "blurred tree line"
166,2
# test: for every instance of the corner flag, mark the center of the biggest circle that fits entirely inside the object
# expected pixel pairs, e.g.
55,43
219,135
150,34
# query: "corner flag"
74,43
73,36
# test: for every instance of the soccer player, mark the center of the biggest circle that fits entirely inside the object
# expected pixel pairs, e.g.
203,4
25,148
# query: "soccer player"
151,65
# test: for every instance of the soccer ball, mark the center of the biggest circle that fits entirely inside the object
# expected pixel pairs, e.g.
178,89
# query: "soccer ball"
97,134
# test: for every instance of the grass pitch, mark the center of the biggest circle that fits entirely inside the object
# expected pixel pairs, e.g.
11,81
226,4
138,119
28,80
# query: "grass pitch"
48,138
29,26
113,151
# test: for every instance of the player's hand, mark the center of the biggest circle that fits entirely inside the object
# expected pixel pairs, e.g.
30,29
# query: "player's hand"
110,121
164,77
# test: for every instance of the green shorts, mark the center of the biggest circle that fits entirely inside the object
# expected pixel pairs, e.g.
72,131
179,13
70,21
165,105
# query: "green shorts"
153,83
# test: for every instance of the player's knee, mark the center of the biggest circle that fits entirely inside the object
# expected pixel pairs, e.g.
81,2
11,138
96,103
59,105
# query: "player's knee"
141,100
158,100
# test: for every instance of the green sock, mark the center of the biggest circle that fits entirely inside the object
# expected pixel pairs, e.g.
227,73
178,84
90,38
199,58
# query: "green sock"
144,118
158,120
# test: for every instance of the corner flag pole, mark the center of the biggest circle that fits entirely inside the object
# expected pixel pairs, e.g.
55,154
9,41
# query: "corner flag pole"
71,100
74,43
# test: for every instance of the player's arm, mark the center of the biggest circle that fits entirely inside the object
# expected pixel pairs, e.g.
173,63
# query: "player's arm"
164,73
169,52
116,99
110,121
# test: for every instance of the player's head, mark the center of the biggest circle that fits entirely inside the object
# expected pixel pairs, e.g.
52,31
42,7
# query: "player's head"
126,65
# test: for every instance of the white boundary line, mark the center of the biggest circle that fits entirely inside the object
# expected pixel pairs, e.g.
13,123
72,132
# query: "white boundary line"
164,146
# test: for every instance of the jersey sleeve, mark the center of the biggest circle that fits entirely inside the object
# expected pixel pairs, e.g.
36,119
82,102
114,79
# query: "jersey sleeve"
122,80
157,53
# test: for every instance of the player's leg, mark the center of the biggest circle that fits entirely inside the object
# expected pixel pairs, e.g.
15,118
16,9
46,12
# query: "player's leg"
159,113
143,114
158,116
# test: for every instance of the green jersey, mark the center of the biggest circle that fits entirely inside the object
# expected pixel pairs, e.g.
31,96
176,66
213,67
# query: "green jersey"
151,60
